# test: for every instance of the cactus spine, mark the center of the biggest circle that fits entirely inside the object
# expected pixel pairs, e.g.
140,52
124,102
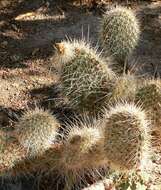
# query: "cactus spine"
119,33
37,130
127,137
86,79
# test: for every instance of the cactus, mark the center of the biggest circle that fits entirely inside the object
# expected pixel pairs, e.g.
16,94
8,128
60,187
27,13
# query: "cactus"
37,130
83,148
83,153
80,154
120,139
125,88
119,33
87,80
127,137
149,95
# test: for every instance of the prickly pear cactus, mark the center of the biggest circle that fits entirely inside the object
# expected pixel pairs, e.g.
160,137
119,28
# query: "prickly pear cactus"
83,149
87,80
36,130
127,137
119,33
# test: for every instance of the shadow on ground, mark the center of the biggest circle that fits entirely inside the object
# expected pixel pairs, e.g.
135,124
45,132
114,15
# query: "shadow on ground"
22,40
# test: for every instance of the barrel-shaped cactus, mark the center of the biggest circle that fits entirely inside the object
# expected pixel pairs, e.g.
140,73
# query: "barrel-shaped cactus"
119,33
87,80
126,137
37,130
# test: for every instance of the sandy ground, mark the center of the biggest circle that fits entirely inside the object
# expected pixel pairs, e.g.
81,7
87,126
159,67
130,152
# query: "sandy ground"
28,31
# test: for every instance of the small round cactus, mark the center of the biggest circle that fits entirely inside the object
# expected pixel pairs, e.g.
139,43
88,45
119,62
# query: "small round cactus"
87,80
127,137
36,130
119,33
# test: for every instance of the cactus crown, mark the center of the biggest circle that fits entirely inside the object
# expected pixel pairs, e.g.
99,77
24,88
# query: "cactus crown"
86,78
127,137
119,32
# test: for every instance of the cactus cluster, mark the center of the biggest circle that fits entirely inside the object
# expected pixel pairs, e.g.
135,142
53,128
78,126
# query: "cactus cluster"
127,109
119,139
